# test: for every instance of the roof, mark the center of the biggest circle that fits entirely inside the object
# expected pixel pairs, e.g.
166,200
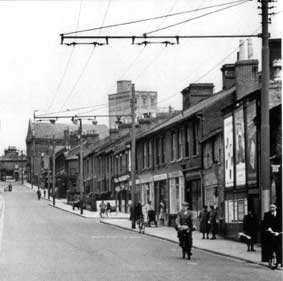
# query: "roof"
190,111
47,130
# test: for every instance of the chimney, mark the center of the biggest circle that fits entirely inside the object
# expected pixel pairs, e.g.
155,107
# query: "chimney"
91,137
228,76
242,53
67,137
250,49
124,86
247,78
195,93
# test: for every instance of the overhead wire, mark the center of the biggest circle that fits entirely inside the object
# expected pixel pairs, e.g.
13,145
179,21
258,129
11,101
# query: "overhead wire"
67,64
210,70
152,18
86,63
198,17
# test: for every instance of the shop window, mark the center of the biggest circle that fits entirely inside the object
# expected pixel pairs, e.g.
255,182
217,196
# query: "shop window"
235,210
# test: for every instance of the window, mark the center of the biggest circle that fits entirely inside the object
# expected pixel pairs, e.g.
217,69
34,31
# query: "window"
150,153
187,143
195,138
157,151
145,154
179,147
173,146
144,101
152,101
162,147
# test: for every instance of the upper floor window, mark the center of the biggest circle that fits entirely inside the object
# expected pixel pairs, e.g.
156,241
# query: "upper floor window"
157,150
162,148
187,141
173,146
179,144
195,137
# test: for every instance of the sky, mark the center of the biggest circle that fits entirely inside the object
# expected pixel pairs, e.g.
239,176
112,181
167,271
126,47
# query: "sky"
37,73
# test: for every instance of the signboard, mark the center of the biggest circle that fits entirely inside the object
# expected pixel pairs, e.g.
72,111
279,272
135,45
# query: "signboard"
240,156
228,151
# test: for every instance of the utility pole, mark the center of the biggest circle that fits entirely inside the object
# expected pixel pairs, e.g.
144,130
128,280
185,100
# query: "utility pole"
81,167
133,154
53,171
33,155
264,105
22,166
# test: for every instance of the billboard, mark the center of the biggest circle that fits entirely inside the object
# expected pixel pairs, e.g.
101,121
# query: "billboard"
251,143
228,151
240,156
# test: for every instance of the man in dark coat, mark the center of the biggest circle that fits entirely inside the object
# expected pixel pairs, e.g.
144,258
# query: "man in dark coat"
212,222
184,226
272,226
204,225
250,226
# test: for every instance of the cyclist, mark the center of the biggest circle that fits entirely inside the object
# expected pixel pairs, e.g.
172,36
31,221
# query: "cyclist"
184,226
272,227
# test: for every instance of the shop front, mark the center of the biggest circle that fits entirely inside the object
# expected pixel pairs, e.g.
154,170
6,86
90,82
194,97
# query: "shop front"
122,193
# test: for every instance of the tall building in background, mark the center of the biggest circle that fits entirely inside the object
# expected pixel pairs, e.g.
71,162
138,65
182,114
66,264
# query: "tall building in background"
119,103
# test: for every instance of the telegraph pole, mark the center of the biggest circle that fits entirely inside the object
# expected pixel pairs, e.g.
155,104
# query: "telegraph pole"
81,167
133,154
22,166
264,105
33,155
53,171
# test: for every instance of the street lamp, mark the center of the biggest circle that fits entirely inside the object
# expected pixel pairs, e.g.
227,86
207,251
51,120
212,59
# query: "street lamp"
75,121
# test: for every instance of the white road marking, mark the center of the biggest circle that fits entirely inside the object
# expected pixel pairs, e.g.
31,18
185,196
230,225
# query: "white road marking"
114,237
193,263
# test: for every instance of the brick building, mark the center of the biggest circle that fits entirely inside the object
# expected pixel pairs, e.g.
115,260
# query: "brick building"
39,141
12,164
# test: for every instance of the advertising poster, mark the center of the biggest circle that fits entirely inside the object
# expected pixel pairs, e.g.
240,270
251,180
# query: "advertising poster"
240,147
251,143
228,151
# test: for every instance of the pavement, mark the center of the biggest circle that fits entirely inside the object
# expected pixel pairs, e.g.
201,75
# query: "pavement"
220,246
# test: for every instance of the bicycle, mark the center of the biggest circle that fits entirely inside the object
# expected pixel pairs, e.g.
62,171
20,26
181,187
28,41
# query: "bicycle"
276,252
141,225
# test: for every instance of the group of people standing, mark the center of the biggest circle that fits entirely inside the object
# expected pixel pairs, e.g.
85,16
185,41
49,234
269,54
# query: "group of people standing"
208,222
148,213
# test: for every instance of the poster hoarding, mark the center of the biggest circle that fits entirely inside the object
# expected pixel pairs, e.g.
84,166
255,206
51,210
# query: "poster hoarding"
240,156
228,151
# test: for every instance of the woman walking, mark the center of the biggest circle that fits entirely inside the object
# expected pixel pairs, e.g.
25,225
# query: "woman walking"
204,225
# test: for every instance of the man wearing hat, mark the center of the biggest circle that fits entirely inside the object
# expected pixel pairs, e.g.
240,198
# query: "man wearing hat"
184,226
272,226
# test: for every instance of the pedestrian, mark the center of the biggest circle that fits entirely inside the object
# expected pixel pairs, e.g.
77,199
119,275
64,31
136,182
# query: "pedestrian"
271,238
204,225
250,227
184,226
108,208
102,207
138,211
151,215
38,194
212,222
162,213
44,192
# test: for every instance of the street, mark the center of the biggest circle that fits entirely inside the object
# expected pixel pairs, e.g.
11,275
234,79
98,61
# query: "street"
40,242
